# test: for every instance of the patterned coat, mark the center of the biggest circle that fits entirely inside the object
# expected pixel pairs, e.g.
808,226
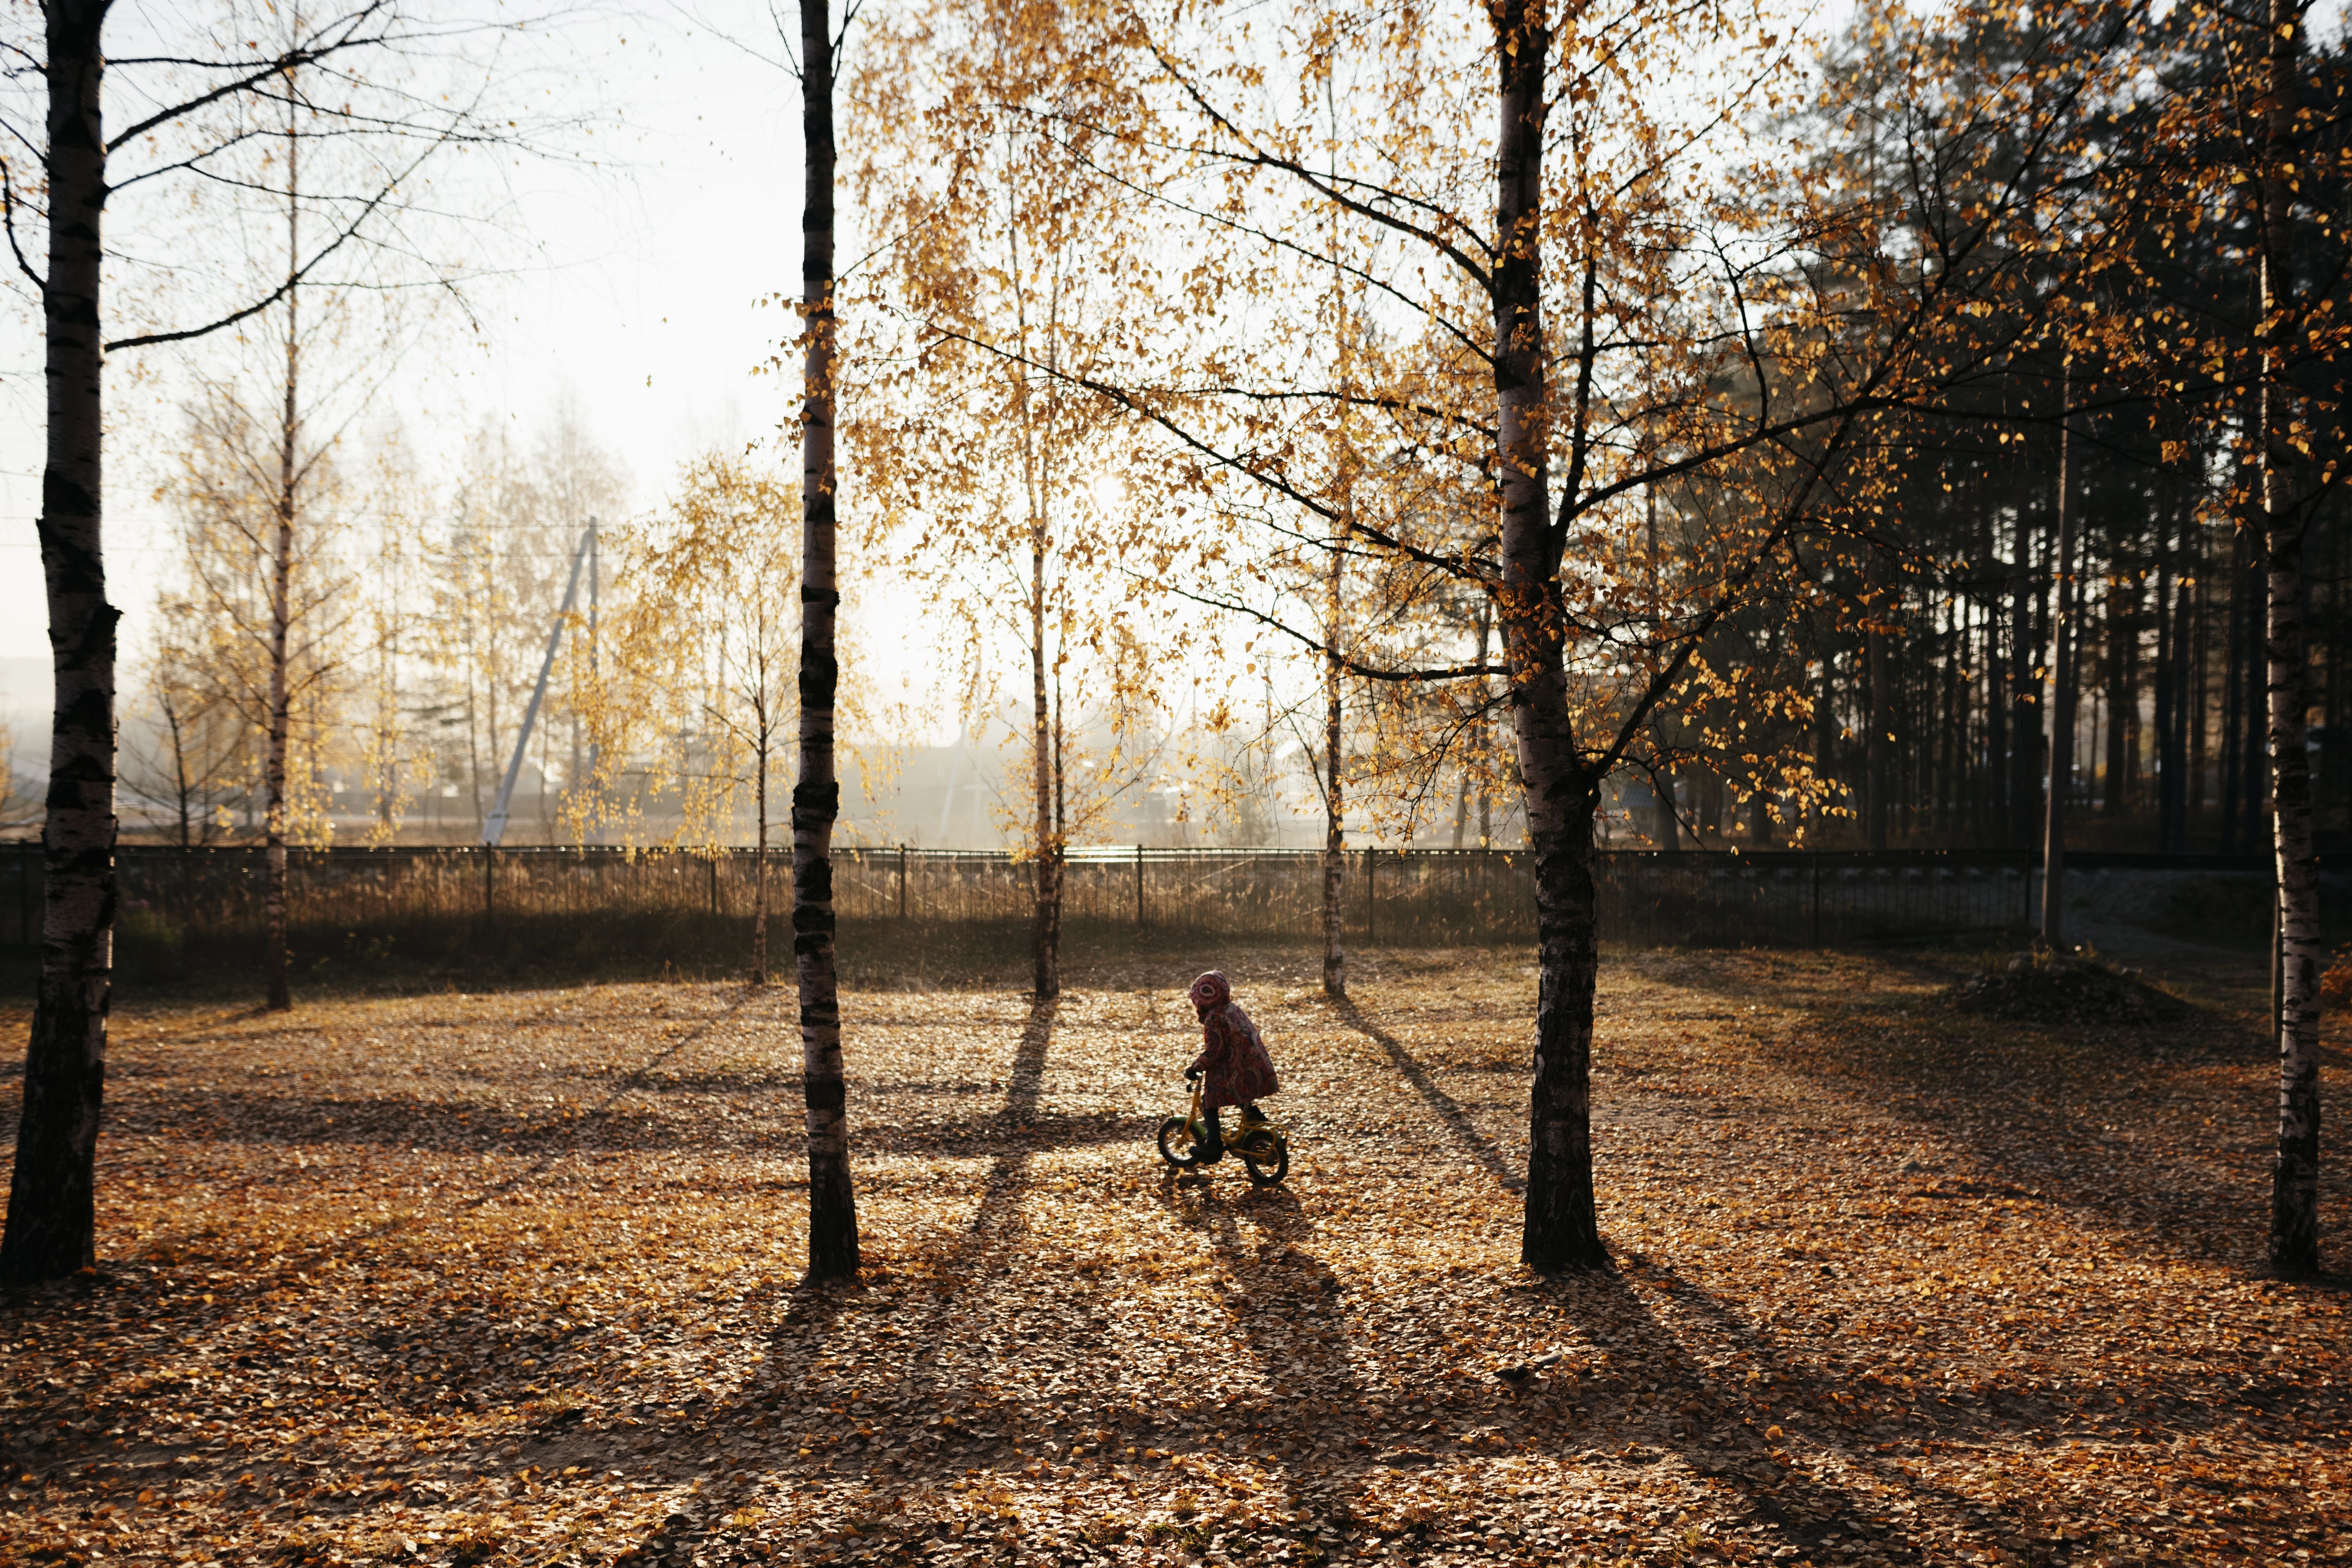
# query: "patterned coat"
1234,1067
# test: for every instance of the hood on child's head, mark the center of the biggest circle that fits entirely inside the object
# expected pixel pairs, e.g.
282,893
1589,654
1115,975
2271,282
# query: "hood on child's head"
1211,991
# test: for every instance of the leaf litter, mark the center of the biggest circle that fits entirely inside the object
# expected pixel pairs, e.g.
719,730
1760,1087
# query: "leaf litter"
515,1280
2064,988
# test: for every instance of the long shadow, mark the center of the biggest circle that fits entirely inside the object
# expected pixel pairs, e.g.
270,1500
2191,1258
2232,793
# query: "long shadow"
432,1124
1609,1311
2092,1125
471,1351
2100,1121
477,1126
1802,1510
1806,1508
1286,1293
1475,1143
998,1227
742,999
462,1351
997,1223
2078,1409
485,1126
1325,1429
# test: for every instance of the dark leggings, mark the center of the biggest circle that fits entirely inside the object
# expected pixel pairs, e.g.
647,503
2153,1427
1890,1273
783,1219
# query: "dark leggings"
1212,1143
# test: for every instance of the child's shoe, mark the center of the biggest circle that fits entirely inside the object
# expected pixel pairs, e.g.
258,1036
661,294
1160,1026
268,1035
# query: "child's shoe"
1210,1147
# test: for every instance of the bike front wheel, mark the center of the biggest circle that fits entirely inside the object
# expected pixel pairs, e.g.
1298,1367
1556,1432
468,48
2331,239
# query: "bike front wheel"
1176,1145
1265,1170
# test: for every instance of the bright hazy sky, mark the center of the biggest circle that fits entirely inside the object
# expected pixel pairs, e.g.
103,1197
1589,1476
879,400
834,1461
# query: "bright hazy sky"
638,303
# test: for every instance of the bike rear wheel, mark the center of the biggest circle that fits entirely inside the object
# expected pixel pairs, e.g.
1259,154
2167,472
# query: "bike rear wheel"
1267,1170
1176,1145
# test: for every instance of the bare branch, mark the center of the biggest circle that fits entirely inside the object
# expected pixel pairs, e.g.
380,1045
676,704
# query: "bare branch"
8,212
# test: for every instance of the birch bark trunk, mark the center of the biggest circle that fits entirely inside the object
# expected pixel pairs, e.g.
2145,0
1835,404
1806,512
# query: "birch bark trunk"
1046,911
281,596
759,846
2062,698
816,796
1879,749
52,1212
1335,796
1992,796
1561,1230
2294,1182
1047,936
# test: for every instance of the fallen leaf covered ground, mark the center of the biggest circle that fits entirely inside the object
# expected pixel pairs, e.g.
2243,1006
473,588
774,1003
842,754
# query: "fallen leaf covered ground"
515,1280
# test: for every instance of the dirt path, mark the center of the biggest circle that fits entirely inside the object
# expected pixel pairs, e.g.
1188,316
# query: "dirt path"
513,1279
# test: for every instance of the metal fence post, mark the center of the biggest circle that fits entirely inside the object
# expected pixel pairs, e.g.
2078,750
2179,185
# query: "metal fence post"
1641,895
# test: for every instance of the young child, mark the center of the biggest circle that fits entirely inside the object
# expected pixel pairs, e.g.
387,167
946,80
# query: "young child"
1233,1058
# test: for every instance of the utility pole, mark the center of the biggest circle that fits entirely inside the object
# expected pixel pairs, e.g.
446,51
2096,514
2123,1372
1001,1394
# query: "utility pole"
495,828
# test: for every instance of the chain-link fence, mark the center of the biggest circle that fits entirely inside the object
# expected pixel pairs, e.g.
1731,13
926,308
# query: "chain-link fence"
1417,897
195,917
1446,897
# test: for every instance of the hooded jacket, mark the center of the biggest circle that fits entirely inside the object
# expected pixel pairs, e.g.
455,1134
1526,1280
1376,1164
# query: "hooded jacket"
1234,1067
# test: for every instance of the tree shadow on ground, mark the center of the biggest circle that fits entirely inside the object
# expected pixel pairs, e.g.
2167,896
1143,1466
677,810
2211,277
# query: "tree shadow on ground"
1836,1421
1335,1415
1281,1292
1805,1509
408,1364
987,1249
1699,1419
1603,1306
1448,1110
487,1128
2114,1124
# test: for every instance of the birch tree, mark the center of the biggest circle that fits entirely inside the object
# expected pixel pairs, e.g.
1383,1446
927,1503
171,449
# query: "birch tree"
78,170
816,793
712,620
2235,166
1570,252
275,615
1017,495
194,754
2273,64
518,505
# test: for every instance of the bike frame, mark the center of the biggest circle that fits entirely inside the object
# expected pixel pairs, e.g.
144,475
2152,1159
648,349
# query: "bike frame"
1194,1126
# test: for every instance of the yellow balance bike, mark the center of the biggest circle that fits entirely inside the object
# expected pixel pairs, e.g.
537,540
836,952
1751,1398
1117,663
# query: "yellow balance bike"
1264,1147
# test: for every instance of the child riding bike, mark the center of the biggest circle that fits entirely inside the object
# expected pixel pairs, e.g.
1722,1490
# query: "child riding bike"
1232,1065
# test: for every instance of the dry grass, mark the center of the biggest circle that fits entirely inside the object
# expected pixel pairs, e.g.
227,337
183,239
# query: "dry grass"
513,1279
